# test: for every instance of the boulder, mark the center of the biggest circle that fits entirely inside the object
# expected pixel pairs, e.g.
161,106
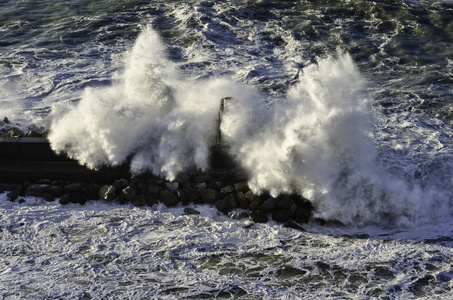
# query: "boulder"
12,196
210,196
282,215
154,190
120,184
226,190
182,196
139,200
150,199
301,215
48,197
293,225
250,196
15,132
107,192
129,192
227,203
37,190
284,202
91,191
172,186
65,199
243,203
268,205
192,194
77,197
74,187
256,203
241,186
168,198
203,178
258,217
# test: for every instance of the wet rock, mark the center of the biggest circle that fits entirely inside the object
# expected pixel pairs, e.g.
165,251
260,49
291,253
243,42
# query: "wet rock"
150,199
139,200
241,186
5,120
258,217
269,204
21,201
281,215
33,133
301,215
183,178
192,194
74,187
12,196
250,196
129,192
154,190
172,186
201,186
77,197
182,196
290,272
16,132
227,203
37,190
48,197
284,202
255,204
168,198
65,199
209,196
120,184
243,203
226,191
191,211
91,191
107,192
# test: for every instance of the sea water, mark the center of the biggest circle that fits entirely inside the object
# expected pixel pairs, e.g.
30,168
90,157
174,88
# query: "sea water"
347,103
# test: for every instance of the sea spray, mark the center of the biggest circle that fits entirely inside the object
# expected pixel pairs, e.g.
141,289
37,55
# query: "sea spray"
316,142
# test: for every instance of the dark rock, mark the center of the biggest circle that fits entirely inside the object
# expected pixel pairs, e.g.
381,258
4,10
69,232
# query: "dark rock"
191,211
303,202
37,190
182,197
5,120
120,184
48,197
268,205
150,199
172,186
210,196
16,132
129,192
241,186
139,200
137,180
227,203
192,194
168,198
284,202
22,200
65,199
258,217
250,196
255,204
183,178
240,176
281,215
12,196
301,215
226,191
293,225
33,133
107,192
243,203
91,191
77,197
44,181
201,186
203,178
142,187
216,185
154,190
74,187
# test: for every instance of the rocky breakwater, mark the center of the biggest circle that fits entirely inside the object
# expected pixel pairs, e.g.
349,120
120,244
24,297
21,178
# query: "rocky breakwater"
229,193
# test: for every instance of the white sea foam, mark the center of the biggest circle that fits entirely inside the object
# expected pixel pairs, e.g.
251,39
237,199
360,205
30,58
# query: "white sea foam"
316,142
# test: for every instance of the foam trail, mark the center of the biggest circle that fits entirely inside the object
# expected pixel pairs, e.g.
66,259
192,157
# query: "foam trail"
150,116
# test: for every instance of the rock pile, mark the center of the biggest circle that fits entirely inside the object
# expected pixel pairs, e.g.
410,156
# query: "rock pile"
227,192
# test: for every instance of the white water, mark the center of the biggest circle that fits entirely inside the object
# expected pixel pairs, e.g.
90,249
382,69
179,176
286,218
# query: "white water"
317,141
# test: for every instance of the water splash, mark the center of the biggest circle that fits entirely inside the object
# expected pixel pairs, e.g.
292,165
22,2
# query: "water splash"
316,142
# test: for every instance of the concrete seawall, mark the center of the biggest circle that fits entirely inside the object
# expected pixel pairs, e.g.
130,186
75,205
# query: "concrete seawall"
32,159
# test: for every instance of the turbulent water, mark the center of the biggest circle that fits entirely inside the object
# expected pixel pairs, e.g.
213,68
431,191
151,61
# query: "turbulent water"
348,103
